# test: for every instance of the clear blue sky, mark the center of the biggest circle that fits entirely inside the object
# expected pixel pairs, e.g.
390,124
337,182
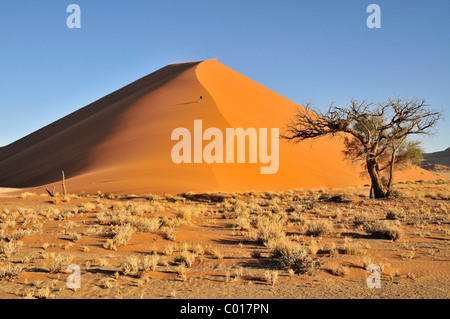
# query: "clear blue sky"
318,51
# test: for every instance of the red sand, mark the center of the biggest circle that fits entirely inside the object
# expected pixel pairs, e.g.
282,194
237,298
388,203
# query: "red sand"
122,142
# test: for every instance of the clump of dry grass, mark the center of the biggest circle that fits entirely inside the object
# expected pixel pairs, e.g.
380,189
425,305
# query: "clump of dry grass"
8,220
10,271
352,248
187,258
181,270
26,195
340,270
122,234
243,222
271,277
408,255
319,228
146,225
394,214
59,263
73,236
295,257
169,249
21,232
301,264
361,220
169,233
42,293
8,249
124,216
382,229
297,218
217,253
86,207
187,213
270,230
149,262
107,283
314,247
133,264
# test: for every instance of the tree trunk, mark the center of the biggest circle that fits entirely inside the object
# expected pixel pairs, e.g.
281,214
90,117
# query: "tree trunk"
64,184
391,173
377,185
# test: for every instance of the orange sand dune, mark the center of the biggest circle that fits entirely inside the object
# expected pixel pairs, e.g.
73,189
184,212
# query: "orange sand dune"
122,142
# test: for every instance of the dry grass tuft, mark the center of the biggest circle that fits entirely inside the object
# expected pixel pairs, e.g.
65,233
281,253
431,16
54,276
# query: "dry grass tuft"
59,263
319,228
10,271
122,234
295,257
8,249
382,229
271,230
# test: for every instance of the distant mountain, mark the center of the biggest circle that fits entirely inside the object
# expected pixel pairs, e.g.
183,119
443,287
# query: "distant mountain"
438,162
437,158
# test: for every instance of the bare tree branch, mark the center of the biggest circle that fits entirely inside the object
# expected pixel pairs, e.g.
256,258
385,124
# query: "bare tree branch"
377,130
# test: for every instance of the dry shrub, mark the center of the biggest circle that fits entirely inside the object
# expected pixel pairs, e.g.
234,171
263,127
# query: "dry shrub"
394,214
147,225
10,271
122,234
169,233
8,249
86,207
295,257
271,277
351,248
242,223
73,236
319,228
42,293
186,213
149,262
269,230
361,220
26,195
187,258
122,216
59,263
133,264
21,232
382,229
340,271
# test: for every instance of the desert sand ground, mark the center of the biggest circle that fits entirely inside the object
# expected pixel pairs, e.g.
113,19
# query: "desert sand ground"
288,244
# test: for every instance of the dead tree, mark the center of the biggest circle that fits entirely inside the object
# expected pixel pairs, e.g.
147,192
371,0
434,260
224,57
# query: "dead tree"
64,184
373,132
51,193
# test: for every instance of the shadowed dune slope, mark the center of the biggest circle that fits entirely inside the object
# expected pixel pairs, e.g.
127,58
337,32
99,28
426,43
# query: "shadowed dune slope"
69,144
122,143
